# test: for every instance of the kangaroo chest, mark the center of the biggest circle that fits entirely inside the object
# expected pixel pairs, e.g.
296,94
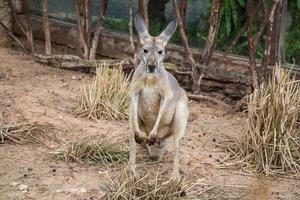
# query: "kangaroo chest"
149,100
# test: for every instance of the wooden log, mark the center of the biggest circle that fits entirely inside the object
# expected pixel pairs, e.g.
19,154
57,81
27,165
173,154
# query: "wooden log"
76,63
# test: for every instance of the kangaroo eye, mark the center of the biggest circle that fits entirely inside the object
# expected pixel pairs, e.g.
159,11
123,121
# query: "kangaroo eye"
145,51
160,52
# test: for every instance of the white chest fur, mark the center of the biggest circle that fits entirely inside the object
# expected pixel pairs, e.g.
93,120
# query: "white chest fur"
150,98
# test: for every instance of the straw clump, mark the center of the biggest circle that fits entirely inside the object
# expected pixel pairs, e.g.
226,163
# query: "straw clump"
127,187
99,151
107,97
27,133
95,151
271,143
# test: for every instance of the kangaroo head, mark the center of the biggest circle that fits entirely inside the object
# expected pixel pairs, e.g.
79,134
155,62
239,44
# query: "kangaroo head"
153,48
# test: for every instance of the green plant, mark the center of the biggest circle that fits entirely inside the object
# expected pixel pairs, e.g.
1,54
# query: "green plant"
107,97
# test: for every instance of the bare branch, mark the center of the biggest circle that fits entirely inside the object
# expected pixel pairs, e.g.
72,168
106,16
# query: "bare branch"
251,44
100,18
12,35
81,30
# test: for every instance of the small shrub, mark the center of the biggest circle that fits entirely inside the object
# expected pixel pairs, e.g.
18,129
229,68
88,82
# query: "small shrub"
99,151
272,137
95,151
107,97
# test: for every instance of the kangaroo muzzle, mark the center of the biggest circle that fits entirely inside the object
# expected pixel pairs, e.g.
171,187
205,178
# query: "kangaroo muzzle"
151,68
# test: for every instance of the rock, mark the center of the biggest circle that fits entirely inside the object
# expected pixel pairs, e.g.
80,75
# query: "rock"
23,188
83,190
72,190
15,183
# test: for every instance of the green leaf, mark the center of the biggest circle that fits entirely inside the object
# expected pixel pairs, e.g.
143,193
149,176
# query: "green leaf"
234,12
298,4
243,3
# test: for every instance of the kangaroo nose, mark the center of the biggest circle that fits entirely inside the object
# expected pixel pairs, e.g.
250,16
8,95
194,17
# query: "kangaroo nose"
151,68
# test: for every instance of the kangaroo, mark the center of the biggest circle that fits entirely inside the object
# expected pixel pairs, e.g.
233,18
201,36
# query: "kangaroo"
159,106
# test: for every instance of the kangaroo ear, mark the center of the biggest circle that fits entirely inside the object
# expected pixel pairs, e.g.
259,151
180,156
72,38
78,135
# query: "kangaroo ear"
168,32
141,27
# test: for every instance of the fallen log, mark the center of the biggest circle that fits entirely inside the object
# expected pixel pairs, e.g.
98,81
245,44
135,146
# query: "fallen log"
73,62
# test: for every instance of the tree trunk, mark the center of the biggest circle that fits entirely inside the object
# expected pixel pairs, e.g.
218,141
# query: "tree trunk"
29,34
100,19
46,27
130,27
81,29
210,42
270,39
282,34
251,44
143,10
88,19
185,43
182,8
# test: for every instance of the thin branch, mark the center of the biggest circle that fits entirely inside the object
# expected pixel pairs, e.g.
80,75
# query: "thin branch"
130,27
12,35
268,41
100,18
29,33
81,30
183,36
210,42
251,45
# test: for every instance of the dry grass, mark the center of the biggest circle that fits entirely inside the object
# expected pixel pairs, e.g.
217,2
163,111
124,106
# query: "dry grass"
125,186
107,97
27,133
4,9
271,143
98,151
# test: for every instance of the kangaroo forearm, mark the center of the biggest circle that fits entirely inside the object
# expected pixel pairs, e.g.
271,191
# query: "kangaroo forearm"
160,112
134,113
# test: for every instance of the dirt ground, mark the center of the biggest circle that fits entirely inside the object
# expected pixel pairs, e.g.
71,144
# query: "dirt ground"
30,92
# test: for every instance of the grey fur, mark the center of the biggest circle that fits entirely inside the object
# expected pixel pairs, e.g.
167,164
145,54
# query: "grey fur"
159,106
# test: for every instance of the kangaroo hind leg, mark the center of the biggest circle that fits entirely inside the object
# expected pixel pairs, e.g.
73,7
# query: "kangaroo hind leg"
179,126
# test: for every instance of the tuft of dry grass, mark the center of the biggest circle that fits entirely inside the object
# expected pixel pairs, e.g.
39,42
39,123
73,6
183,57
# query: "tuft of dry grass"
107,97
271,143
27,133
98,151
127,187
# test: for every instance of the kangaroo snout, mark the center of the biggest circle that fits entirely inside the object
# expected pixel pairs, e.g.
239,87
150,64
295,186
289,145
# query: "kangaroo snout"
151,68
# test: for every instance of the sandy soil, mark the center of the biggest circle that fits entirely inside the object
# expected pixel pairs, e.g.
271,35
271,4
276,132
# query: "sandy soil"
30,92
